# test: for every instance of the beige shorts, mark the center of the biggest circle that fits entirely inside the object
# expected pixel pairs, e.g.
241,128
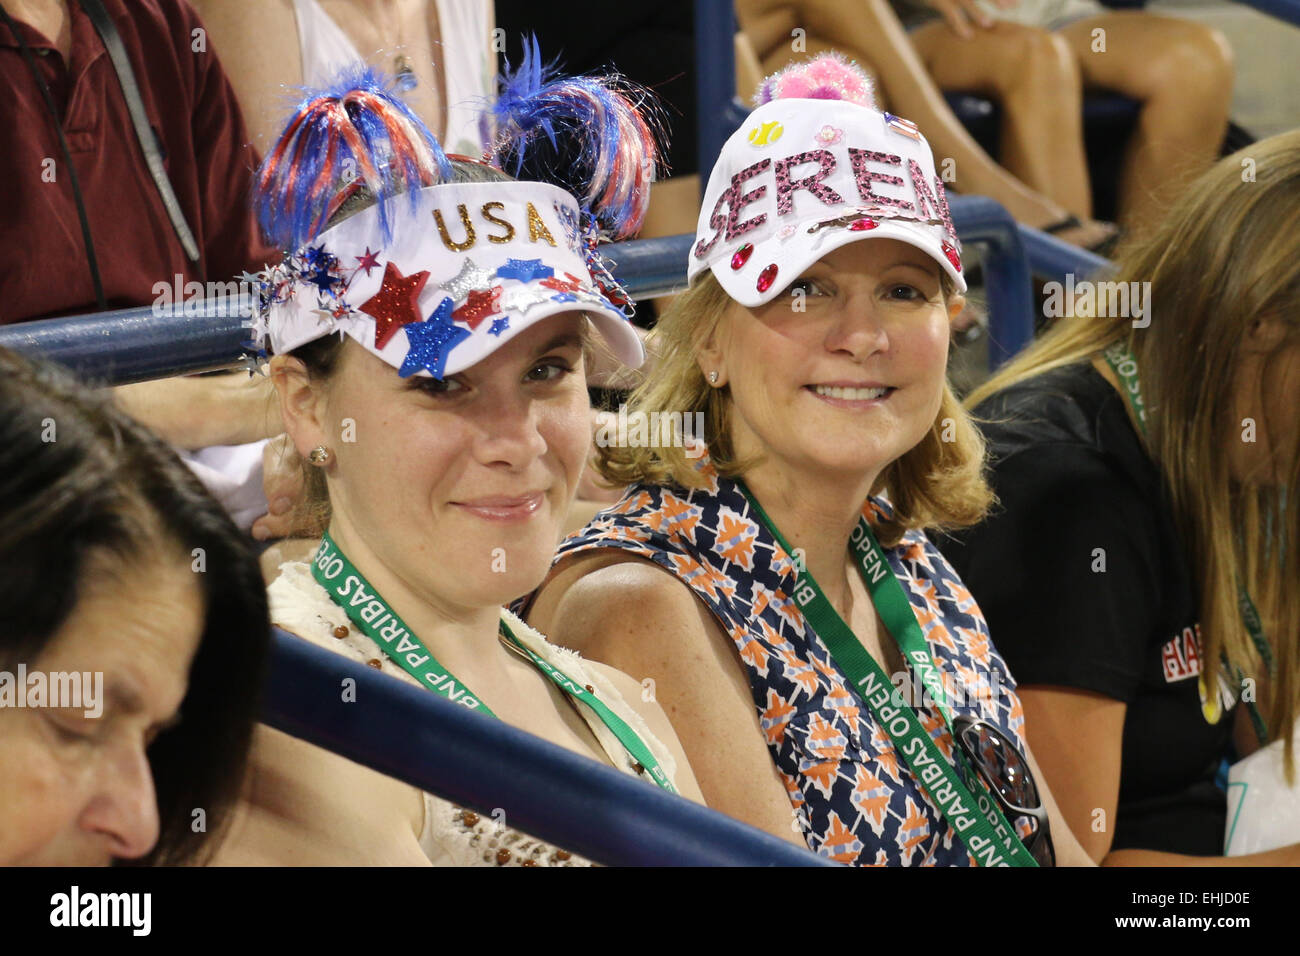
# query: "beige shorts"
1048,14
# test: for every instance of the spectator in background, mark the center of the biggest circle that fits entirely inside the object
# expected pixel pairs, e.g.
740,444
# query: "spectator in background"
869,31
441,52
45,269
1038,57
1133,538
192,110
103,535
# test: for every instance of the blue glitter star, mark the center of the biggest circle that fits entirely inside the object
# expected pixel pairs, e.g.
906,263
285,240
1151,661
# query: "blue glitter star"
430,341
317,258
564,297
323,280
499,326
525,270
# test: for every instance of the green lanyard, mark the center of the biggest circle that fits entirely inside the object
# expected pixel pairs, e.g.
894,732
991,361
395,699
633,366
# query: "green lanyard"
978,822
1124,364
349,589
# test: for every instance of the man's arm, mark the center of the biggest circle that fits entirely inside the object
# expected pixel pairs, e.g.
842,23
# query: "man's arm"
196,411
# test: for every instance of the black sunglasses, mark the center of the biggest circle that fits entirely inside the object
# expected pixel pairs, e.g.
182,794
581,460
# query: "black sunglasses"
1006,774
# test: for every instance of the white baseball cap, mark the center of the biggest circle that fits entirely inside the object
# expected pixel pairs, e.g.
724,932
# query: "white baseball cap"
804,176
467,268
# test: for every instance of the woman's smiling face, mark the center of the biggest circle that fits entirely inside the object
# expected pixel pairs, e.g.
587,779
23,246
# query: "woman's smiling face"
461,486
844,371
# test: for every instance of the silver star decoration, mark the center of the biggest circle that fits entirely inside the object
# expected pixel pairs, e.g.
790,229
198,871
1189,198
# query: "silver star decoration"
470,279
324,316
253,363
522,299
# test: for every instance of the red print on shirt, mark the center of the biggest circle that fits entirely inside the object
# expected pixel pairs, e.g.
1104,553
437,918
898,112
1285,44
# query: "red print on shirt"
1181,657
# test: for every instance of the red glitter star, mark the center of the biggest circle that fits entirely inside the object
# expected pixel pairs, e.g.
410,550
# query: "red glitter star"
478,306
369,261
559,285
395,304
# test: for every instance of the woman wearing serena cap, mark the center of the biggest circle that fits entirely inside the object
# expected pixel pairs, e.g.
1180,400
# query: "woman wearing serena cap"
448,423
727,572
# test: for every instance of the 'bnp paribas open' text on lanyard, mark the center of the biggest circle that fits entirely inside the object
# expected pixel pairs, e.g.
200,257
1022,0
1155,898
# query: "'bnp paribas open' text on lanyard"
366,608
977,820
1124,364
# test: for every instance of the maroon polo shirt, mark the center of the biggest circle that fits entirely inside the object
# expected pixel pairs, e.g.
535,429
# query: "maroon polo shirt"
189,101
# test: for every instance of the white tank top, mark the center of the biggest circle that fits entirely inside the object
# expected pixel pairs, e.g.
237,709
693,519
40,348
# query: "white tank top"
450,835
468,63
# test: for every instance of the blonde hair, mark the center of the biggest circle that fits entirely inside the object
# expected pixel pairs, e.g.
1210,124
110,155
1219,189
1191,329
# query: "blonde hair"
937,484
1219,261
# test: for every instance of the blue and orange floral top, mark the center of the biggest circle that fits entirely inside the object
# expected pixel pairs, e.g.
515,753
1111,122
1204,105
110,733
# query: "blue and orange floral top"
852,794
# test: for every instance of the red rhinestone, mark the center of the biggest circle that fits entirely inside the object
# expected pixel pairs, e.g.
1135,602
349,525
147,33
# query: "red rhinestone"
741,255
953,257
858,225
766,278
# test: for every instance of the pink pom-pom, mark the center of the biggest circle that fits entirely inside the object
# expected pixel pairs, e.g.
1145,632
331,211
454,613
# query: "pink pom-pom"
825,77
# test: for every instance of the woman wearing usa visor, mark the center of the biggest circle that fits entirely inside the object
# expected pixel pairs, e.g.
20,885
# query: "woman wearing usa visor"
774,581
429,353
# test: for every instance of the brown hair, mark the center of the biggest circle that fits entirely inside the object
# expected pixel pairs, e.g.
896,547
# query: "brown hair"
1223,257
937,484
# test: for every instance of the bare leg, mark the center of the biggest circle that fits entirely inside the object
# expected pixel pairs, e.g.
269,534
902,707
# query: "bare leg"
868,31
1033,75
1182,73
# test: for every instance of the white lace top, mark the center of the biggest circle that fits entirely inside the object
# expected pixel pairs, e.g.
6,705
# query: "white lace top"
450,835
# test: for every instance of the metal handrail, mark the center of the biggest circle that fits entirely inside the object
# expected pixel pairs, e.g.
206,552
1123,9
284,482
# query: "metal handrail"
487,765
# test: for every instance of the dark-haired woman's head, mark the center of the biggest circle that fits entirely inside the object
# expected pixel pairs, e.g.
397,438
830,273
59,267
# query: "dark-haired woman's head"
132,625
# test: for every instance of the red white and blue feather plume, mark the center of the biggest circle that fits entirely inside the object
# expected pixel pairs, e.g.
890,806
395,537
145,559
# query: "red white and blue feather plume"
356,132
597,137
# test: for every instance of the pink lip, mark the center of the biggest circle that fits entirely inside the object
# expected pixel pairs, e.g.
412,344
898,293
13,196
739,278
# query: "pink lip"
503,508
852,403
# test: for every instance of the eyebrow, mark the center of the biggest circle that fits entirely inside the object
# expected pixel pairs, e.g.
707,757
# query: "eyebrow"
928,268
562,340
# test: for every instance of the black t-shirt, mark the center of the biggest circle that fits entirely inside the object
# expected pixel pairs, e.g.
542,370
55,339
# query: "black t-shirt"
651,44
1078,494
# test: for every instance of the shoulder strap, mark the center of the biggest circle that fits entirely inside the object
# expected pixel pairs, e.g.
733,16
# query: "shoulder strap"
143,133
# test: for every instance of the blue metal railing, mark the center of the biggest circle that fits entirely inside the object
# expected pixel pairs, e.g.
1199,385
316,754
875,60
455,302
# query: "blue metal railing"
132,345
487,765
719,112
1287,10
